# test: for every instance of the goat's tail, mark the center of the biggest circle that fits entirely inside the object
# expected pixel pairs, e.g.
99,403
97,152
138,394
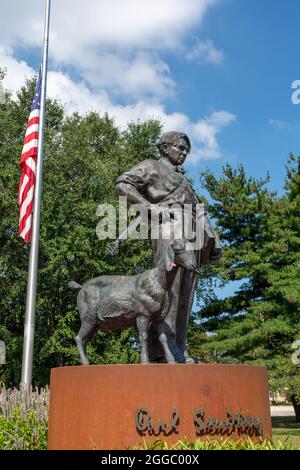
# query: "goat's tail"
74,285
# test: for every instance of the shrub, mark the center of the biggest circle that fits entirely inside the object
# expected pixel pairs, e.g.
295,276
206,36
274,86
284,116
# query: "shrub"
23,419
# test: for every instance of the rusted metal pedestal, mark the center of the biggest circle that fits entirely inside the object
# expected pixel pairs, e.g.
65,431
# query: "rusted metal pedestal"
116,406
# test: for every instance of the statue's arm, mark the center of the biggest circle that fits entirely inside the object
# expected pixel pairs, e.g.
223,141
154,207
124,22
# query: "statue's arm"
134,183
132,193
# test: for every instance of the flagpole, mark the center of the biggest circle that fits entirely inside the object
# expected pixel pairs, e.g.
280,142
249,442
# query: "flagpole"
29,325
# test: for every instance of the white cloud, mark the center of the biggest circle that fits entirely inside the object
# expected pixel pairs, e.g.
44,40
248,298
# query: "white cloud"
203,133
278,124
76,96
77,25
285,125
103,40
113,46
205,51
16,70
141,75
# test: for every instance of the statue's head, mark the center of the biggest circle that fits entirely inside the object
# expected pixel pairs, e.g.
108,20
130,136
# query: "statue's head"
180,253
175,146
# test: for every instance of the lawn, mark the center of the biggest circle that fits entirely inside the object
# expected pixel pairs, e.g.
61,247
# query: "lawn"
284,427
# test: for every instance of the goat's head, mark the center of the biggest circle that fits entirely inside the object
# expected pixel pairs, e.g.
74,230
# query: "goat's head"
179,253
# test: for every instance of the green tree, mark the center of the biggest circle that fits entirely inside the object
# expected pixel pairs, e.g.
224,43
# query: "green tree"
260,232
83,157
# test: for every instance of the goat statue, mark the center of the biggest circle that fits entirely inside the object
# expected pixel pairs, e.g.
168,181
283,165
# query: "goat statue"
116,302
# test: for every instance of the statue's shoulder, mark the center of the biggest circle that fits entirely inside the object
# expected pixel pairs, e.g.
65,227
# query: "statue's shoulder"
150,163
154,164
148,166
140,173
144,164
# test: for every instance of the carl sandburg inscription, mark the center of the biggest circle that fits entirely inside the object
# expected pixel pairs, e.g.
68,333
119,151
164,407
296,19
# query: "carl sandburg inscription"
204,424
244,425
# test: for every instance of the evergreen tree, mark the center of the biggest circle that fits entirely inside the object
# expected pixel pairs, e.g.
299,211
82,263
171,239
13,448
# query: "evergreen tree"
260,232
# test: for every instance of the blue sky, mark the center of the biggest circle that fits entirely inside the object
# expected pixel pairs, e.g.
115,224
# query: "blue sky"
221,70
260,40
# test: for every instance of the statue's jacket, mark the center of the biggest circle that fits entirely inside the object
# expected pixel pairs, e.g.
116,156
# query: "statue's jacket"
160,182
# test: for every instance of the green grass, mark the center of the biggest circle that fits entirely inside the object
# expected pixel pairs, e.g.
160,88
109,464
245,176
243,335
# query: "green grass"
284,427
218,444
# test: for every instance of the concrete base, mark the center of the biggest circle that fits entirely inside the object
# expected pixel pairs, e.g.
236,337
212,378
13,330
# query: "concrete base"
117,406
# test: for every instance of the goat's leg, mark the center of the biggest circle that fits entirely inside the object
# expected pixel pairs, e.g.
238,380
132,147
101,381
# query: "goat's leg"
86,332
163,339
142,324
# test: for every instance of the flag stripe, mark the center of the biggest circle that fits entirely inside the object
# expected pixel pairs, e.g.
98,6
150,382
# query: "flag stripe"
31,153
28,166
30,145
31,164
23,182
26,231
34,120
26,202
24,219
35,112
30,137
34,128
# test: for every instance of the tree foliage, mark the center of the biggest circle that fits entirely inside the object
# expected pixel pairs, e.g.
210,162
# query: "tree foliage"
83,157
258,323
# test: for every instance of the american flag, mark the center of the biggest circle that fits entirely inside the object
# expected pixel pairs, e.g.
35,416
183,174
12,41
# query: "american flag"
28,166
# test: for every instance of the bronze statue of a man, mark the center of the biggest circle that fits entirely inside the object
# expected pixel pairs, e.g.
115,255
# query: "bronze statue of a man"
162,182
